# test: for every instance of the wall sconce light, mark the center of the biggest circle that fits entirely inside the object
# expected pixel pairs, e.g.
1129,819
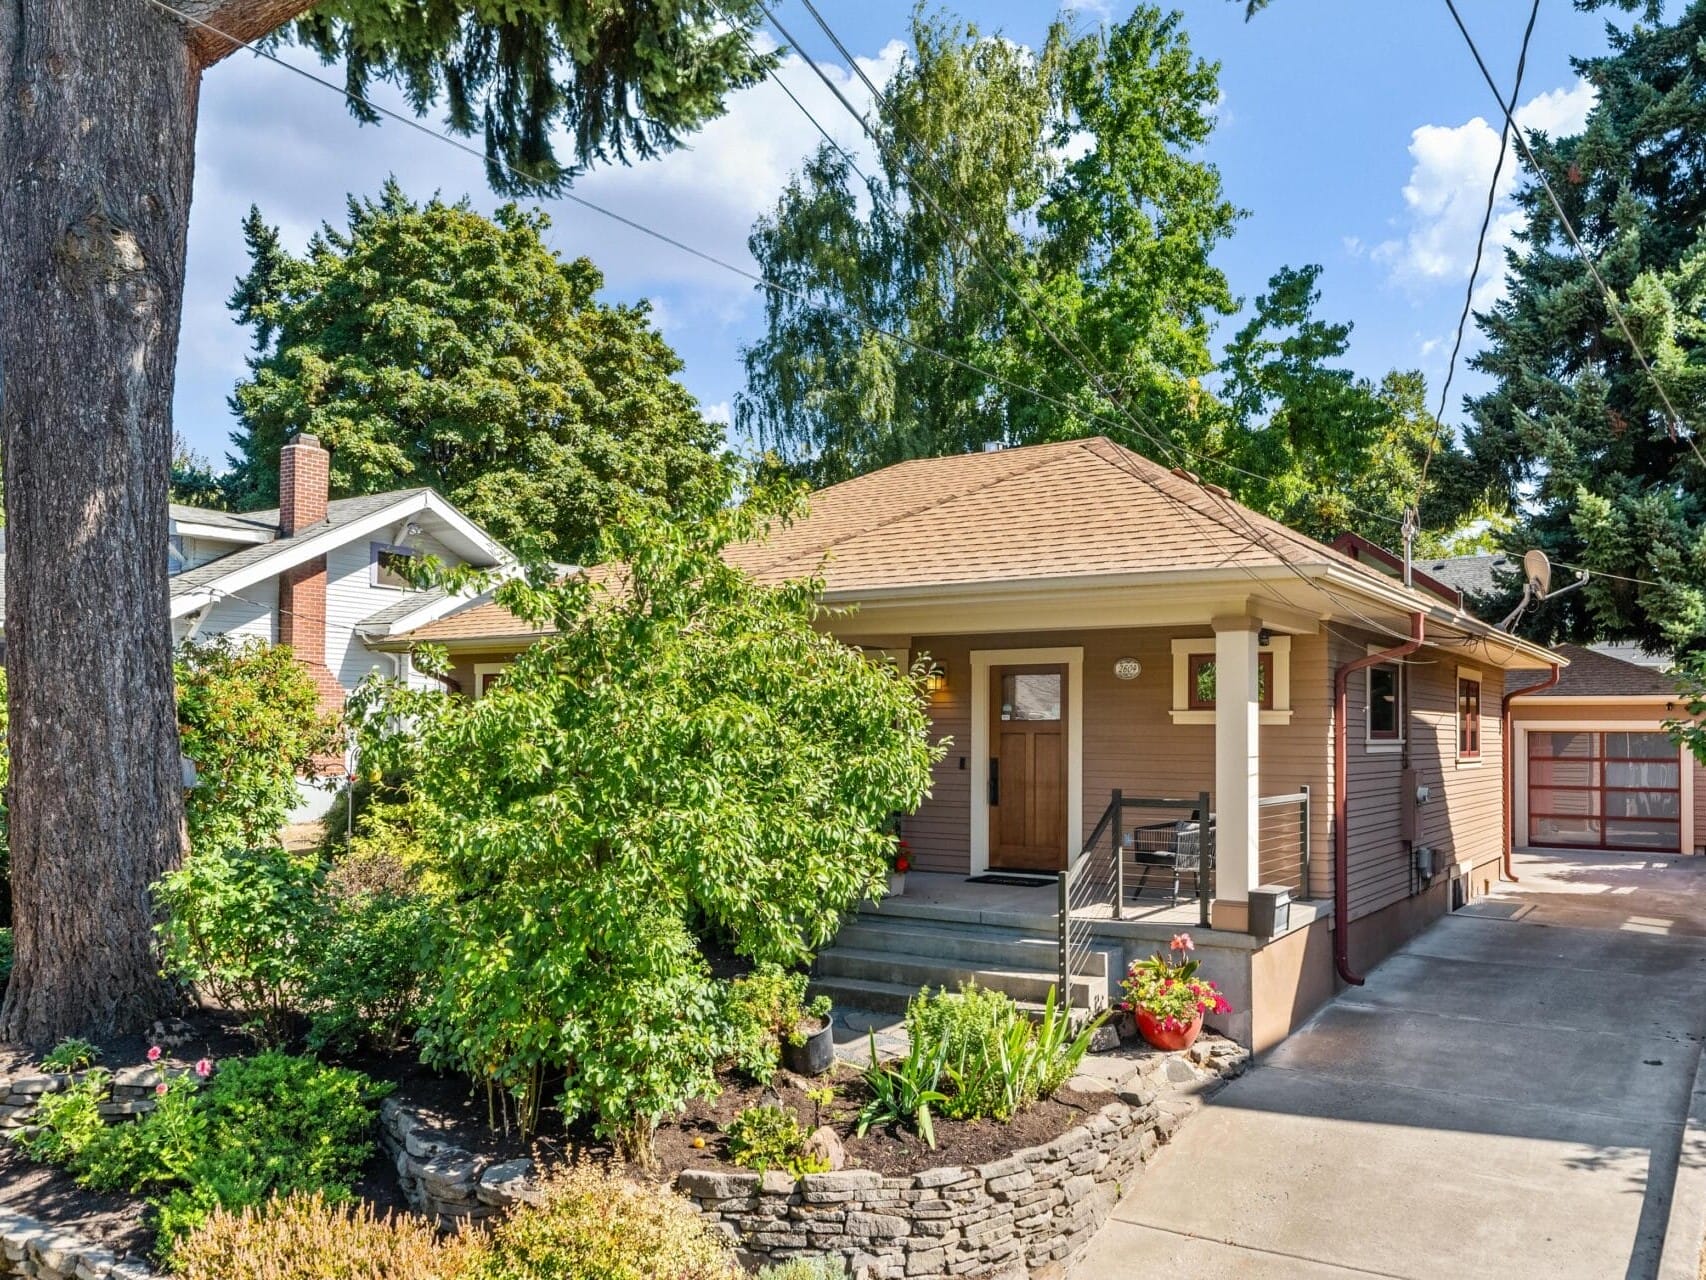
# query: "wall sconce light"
1264,638
936,681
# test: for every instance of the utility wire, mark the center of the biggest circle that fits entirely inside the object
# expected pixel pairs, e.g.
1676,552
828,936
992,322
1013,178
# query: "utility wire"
1254,536
1679,429
1480,249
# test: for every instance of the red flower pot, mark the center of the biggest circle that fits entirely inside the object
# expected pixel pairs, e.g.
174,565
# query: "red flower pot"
1184,1037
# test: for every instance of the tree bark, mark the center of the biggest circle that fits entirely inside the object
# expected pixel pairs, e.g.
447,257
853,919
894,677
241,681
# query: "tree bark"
97,140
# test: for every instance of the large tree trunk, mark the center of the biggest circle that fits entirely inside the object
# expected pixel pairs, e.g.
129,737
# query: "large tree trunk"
97,138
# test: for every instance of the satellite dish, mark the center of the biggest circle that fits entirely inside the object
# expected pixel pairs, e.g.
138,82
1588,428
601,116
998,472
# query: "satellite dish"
1537,571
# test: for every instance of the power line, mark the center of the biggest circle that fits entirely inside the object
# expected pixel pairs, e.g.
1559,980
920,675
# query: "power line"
1231,508
1480,249
1679,429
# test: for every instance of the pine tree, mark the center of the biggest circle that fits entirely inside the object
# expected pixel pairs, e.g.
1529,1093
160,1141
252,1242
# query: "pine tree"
1574,433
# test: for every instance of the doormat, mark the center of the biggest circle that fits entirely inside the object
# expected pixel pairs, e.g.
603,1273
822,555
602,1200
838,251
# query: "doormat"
1023,882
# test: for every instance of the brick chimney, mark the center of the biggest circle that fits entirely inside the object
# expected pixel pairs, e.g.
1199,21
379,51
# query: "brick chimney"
303,477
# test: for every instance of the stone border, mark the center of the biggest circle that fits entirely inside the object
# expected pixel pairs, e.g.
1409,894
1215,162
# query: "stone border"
36,1251
1030,1209
1034,1210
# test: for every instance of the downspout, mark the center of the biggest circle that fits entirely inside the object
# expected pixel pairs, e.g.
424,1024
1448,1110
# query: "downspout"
1341,766
1509,801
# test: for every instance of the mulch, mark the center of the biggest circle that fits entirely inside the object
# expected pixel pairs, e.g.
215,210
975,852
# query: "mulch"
458,1112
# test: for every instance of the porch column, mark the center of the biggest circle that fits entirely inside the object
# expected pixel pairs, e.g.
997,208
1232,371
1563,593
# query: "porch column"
1237,770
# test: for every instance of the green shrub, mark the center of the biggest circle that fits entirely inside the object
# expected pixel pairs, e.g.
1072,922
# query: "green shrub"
271,1124
825,1268
370,964
684,749
593,1226
765,1138
240,927
978,1054
250,717
304,1237
70,1055
760,1010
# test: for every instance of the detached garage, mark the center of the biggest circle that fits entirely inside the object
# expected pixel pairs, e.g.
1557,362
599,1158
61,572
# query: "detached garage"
1594,768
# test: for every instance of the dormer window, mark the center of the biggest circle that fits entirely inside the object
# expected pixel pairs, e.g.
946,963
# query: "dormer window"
390,566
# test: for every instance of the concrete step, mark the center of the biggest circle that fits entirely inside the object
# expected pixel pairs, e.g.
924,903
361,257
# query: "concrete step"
1030,985
984,948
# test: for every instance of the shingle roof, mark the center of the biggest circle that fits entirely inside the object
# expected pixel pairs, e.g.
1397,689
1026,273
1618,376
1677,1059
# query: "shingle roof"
1476,576
412,602
1592,674
241,521
1078,509
339,511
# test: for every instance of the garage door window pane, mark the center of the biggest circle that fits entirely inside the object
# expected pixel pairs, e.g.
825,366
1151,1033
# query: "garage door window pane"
1556,746
1643,804
1565,830
1640,746
1563,773
1622,833
1655,773
1570,803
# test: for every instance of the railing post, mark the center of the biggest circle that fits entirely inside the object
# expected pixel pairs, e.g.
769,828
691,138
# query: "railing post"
1304,887
1119,855
1205,858
1063,992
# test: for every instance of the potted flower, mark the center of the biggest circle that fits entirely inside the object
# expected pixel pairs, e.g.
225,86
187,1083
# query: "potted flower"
808,1046
900,862
1168,999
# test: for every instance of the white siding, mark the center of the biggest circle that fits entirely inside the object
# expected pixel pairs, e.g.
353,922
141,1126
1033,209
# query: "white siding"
200,551
351,597
252,613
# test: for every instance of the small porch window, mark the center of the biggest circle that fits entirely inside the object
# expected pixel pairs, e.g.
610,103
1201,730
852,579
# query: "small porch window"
1194,680
1200,681
1468,715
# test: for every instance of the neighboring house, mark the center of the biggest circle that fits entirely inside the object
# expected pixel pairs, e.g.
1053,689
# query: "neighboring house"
1101,624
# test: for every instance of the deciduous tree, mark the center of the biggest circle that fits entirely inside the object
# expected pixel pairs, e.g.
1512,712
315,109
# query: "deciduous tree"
429,345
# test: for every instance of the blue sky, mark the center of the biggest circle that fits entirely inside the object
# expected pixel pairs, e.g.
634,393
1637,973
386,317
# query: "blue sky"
1357,134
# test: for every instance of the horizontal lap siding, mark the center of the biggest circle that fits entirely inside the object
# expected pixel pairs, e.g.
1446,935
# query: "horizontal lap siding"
1699,806
1130,741
1461,821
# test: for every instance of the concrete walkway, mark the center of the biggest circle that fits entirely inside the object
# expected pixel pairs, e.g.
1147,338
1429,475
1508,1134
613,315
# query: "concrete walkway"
1508,1096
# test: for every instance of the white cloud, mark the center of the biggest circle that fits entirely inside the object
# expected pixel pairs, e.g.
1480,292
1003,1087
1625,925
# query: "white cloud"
272,139
1446,195
719,413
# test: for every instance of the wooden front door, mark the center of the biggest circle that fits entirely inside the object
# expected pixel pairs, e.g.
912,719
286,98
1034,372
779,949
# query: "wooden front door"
1027,768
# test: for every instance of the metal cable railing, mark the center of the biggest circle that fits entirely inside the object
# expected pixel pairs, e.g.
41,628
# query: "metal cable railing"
1097,877
1283,834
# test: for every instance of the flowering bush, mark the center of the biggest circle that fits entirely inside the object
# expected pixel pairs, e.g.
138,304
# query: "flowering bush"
1166,986
901,860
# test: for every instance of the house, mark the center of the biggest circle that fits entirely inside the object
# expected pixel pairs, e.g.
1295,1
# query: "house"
1118,648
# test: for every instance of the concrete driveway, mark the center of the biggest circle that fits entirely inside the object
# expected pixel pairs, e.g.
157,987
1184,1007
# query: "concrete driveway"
1508,1096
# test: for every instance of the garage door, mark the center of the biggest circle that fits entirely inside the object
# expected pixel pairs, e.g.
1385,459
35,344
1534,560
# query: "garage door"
1604,791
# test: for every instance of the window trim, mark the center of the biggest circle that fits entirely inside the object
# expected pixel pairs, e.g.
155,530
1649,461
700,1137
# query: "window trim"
1376,743
1471,759
1277,652
377,549
484,669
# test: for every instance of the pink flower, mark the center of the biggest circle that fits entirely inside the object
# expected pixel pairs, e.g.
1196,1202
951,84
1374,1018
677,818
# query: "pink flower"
1182,942
1221,1006
160,1091
204,1068
154,1053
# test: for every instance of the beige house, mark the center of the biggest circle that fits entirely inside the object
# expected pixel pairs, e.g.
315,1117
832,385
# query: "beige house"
1117,647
